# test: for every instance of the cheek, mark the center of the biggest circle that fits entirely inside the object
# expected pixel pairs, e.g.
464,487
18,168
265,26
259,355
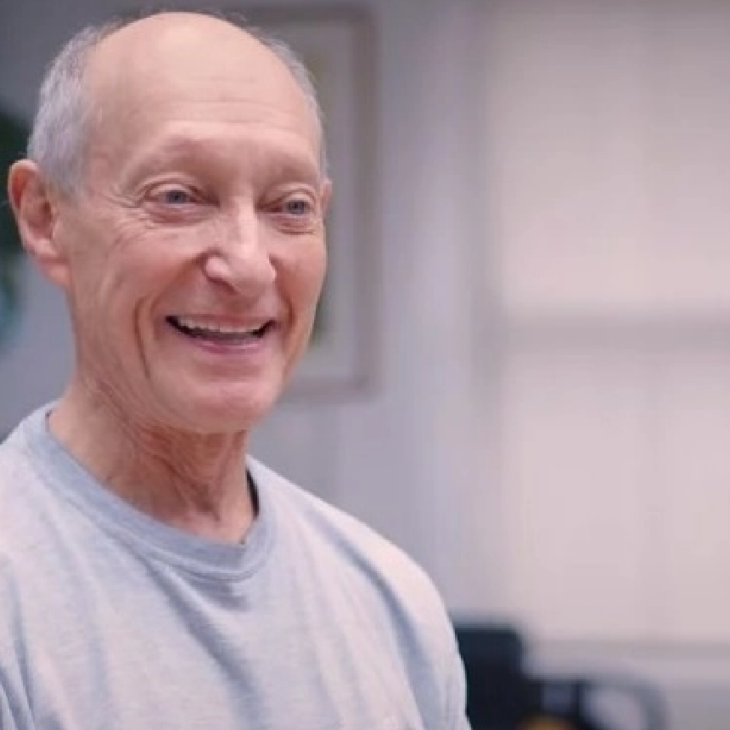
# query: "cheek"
318,267
117,273
301,274
312,277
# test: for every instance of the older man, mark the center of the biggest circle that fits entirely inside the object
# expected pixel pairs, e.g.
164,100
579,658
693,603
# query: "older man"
151,575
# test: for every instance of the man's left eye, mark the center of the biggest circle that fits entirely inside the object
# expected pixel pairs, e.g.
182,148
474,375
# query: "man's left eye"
297,206
175,196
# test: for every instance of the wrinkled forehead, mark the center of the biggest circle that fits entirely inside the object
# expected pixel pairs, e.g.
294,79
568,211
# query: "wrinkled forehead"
198,69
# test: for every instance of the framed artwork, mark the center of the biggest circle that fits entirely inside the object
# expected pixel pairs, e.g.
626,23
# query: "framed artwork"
336,44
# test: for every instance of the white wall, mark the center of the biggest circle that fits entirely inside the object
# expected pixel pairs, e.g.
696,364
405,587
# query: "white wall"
607,197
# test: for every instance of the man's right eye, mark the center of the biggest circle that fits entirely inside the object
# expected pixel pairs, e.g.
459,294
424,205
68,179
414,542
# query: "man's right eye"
173,196
175,202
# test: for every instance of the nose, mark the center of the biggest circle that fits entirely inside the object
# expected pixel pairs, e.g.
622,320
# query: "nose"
239,258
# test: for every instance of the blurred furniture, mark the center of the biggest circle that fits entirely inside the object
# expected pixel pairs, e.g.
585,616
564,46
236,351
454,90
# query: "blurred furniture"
504,695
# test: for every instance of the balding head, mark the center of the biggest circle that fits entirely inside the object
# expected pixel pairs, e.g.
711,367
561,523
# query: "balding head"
181,66
122,52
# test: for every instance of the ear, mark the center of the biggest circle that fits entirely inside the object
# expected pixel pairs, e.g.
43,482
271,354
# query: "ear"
35,209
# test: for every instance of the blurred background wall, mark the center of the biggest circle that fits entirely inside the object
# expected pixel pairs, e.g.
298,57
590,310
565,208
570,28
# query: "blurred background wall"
547,427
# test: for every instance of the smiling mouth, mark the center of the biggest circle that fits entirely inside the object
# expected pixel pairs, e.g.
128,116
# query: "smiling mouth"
219,333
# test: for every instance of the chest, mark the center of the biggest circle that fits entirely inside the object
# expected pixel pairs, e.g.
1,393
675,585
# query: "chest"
163,654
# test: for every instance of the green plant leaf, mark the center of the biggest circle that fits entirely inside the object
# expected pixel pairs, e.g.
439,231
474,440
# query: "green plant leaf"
13,138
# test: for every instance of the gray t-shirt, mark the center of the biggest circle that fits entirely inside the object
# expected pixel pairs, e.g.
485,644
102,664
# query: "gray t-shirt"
110,620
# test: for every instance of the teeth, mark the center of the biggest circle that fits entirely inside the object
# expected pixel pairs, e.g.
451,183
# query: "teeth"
218,329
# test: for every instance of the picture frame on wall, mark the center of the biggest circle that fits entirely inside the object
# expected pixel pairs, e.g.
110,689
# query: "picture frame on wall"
336,44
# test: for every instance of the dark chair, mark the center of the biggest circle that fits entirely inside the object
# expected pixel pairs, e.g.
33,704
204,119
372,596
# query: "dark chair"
504,695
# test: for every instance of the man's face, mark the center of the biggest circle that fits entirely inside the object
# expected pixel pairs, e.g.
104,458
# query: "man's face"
196,247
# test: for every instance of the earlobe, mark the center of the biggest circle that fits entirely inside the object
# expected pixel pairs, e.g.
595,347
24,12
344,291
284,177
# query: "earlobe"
35,212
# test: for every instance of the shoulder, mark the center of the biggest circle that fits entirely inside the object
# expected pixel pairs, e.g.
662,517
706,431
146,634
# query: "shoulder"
21,472
19,451
399,600
17,476
15,545
29,517
383,575
342,533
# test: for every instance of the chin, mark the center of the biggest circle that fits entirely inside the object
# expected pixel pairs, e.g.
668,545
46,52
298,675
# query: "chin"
227,410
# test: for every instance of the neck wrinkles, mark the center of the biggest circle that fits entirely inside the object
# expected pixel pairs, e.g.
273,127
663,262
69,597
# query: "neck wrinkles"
195,482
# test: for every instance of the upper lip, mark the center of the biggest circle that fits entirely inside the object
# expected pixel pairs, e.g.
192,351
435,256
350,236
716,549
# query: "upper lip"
222,323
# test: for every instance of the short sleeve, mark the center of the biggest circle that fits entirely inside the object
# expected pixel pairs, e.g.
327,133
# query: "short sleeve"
455,717
7,721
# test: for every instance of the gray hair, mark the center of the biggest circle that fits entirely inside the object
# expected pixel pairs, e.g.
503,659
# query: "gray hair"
61,124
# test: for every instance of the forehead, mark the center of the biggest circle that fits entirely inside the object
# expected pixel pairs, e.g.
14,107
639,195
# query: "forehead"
191,82
224,152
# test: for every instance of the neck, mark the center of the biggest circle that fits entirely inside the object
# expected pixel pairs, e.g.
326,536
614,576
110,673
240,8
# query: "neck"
194,482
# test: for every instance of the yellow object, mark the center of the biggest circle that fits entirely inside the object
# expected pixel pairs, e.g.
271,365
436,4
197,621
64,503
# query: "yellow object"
546,723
